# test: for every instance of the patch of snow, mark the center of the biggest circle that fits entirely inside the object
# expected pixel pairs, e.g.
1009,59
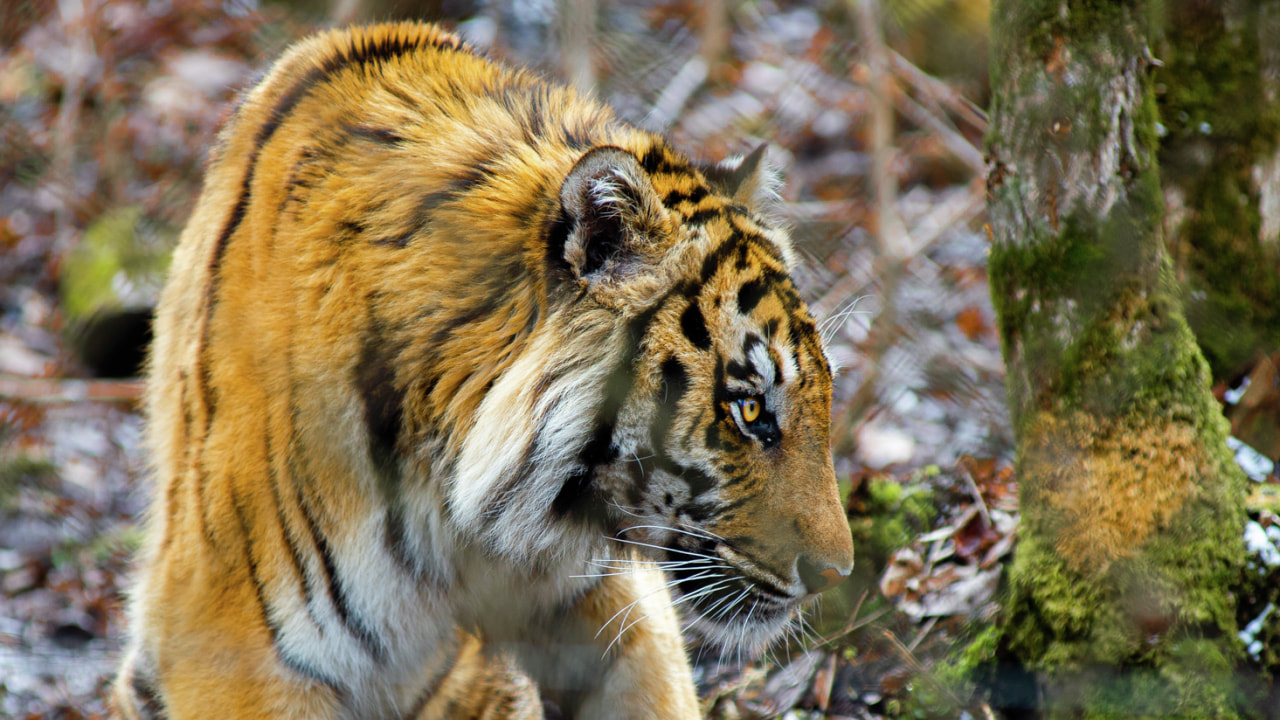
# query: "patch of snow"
1249,635
1261,543
1255,464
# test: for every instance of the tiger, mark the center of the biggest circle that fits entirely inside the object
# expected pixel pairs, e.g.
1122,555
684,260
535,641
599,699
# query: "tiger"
467,399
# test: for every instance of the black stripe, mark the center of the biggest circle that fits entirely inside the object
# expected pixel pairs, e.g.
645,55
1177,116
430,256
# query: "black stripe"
337,594
700,512
273,629
252,563
286,531
694,326
556,234
395,536
771,328
704,216
578,138
533,205
464,318
659,159
698,481
733,505
739,371
713,439
734,245
694,196
396,241
360,51
654,160
720,394
146,697
375,380
536,113
750,294
385,136
776,359
675,383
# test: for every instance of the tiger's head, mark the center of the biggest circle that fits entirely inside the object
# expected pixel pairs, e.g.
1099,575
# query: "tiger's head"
715,460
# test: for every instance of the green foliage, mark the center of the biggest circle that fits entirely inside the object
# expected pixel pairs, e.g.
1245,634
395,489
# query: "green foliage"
1220,122
20,470
110,269
894,515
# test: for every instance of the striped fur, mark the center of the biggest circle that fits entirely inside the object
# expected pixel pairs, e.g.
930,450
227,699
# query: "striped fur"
449,367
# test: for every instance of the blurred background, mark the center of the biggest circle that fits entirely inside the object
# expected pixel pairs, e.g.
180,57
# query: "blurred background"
873,111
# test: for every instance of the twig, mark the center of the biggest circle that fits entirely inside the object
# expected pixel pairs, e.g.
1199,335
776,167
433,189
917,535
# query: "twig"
713,31
673,98
938,91
577,25
945,216
919,669
853,623
891,233
923,235
928,627
48,390
977,495
958,144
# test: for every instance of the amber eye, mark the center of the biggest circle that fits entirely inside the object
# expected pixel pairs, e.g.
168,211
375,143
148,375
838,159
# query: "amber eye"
750,409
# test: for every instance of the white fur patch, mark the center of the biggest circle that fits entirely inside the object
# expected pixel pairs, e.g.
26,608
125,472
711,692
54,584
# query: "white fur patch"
525,445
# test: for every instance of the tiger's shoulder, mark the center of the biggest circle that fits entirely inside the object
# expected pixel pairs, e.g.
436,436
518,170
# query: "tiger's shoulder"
389,176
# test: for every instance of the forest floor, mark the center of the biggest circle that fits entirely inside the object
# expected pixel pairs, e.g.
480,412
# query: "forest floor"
104,126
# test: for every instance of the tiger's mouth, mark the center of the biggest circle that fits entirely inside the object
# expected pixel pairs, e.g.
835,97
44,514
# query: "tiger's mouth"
729,599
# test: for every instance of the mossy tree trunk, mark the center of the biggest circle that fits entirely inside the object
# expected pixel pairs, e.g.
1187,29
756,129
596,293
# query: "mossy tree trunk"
1118,597
1219,100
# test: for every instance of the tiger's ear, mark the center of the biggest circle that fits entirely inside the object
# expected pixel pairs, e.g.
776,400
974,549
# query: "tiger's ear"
613,211
749,181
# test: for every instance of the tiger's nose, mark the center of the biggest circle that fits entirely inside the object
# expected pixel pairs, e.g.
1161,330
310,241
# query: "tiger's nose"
818,576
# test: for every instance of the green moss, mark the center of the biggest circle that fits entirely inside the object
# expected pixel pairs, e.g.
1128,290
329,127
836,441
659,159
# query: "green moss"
113,267
22,470
968,662
1219,123
885,515
1104,652
897,514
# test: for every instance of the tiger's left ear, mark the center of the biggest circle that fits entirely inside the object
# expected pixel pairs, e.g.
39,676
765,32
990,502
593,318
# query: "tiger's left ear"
749,181
614,212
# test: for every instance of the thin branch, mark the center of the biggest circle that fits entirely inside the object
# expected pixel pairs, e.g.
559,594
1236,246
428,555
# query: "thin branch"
891,234
958,144
666,110
577,23
52,391
939,91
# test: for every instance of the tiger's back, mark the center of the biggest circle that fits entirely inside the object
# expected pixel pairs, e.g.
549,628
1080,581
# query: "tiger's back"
403,351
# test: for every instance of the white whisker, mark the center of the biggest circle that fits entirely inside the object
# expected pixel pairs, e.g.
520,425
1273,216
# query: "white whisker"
664,549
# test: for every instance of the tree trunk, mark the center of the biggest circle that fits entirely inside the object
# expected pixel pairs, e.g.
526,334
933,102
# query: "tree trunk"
1220,107
1132,505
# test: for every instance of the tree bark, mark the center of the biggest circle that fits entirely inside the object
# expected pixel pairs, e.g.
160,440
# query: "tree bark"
1132,505
1219,104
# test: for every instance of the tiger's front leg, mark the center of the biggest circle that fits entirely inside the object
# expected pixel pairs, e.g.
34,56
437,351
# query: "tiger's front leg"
618,654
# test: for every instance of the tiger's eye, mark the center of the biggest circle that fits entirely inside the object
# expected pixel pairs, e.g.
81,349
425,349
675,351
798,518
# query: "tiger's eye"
750,409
